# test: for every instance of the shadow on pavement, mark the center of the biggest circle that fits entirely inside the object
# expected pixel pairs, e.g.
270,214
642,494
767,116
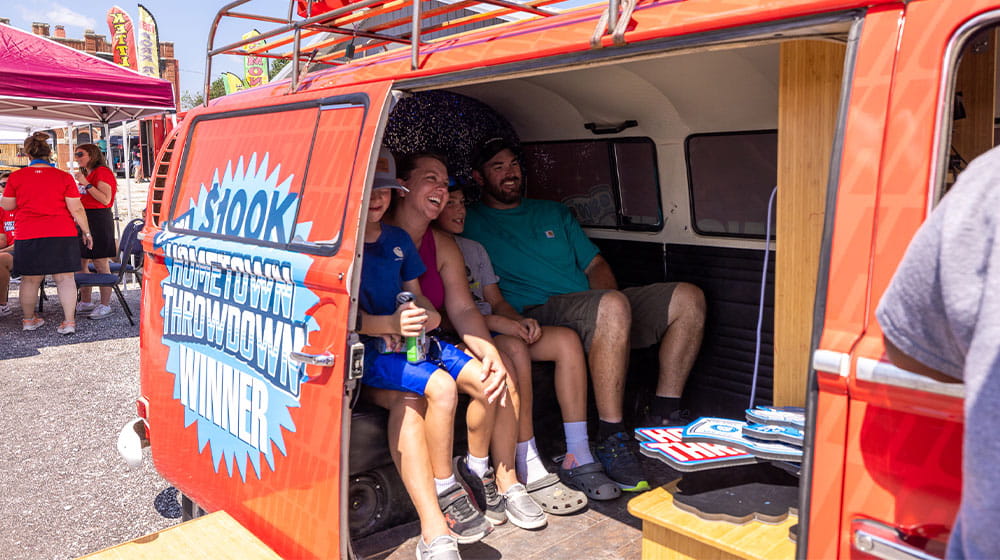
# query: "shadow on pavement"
15,343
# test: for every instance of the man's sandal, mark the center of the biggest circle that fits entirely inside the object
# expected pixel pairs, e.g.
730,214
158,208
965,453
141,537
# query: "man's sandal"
555,498
590,478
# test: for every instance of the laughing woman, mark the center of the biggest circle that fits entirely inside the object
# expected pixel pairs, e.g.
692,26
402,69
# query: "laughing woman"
47,203
98,187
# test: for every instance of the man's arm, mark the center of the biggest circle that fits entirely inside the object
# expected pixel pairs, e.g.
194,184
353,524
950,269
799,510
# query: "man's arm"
904,361
599,274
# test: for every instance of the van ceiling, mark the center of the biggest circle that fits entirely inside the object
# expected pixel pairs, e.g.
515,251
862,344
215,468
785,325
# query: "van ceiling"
670,96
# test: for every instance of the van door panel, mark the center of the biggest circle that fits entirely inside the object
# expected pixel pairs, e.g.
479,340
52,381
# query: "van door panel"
904,444
255,262
845,307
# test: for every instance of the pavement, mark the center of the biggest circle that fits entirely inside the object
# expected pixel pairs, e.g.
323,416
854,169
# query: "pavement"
63,400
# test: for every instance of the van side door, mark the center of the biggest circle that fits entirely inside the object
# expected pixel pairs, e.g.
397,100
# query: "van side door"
902,462
246,361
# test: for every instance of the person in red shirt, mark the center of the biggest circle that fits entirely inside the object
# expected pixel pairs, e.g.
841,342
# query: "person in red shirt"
6,251
98,188
47,203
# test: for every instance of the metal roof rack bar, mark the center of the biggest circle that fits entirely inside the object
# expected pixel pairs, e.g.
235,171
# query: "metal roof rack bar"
335,21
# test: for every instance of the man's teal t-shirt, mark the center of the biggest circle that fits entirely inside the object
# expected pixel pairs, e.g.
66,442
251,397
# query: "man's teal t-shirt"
538,249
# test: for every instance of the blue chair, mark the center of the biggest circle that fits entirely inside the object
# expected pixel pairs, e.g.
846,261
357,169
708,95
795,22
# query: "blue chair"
128,246
134,263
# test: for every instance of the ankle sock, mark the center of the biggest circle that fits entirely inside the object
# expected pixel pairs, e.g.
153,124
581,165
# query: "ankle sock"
478,465
577,444
528,462
442,484
663,406
605,429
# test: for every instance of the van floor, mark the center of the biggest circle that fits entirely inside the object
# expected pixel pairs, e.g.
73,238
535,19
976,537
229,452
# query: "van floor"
602,531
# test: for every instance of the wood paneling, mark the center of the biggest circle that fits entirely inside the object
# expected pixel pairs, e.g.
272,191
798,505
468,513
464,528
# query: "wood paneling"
976,82
216,535
668,532
809,93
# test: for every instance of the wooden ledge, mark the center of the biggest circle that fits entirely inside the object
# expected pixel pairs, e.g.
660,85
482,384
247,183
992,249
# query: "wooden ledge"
669,532
216,536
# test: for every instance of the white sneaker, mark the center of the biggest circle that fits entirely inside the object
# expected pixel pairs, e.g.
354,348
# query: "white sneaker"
5,309
444,547
101,311
84,306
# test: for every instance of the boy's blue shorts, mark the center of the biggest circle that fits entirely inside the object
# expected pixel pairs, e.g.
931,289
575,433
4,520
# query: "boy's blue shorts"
392,371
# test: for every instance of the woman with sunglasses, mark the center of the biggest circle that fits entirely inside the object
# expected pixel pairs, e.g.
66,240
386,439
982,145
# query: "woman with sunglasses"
98,188
47,203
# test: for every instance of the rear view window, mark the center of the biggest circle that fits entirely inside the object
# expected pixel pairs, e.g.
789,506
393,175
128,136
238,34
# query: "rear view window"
731,176
605,183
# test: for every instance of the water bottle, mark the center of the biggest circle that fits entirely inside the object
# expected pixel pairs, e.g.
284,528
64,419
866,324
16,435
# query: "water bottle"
414,344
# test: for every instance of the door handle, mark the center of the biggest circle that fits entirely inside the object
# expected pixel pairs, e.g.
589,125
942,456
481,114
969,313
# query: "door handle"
325,359
882,541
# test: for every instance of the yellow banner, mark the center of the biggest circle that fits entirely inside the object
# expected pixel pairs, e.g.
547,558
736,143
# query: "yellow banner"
254,67
148,44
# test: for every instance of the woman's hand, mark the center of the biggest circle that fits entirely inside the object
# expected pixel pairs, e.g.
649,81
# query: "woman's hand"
494,377
88,241
411,319
80,177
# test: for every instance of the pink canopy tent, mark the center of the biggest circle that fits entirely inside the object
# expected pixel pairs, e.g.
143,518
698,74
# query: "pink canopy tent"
39,78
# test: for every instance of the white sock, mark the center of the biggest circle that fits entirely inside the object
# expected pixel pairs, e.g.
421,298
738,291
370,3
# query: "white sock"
528,463
577,443
442,484
478,465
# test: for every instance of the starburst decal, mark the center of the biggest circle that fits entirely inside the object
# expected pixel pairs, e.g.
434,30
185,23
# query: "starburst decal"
233,310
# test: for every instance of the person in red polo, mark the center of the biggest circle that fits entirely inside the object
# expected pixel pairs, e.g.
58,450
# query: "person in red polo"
47,203
98,188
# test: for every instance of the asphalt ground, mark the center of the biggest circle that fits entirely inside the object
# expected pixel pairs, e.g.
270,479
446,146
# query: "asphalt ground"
63,400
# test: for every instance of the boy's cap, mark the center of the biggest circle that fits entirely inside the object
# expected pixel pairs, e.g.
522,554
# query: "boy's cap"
492,147
385,172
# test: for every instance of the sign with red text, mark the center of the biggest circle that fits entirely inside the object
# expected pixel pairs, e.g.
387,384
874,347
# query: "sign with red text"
122,38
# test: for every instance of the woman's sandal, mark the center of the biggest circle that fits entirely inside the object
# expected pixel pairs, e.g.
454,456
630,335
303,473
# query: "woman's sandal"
555,498
590,478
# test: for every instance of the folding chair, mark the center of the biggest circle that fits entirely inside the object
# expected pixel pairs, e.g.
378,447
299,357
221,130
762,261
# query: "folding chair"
133,262
113,280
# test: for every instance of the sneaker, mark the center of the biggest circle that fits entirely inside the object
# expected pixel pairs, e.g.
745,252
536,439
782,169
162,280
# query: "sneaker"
67,327
5,309
32,324
464,520
620,463
521,509
84,306
675,419
444,547
100,312
483,491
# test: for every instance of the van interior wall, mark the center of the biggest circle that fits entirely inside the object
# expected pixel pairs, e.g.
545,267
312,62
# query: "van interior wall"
671,98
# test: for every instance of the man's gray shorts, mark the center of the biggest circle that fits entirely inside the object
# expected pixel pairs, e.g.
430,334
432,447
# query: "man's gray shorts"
578,311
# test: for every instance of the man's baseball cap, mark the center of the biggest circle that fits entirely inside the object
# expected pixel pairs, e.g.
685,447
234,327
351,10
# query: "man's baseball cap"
492,147
385,172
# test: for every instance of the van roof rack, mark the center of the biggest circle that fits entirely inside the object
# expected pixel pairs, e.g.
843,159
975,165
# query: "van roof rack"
335,25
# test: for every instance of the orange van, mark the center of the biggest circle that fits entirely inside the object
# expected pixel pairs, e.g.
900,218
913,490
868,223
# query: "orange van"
665,125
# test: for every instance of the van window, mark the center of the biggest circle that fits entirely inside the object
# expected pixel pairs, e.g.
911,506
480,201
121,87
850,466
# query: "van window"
730,177
232,186
610,183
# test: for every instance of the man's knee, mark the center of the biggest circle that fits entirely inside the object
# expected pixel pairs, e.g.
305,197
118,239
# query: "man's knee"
613,311
688,301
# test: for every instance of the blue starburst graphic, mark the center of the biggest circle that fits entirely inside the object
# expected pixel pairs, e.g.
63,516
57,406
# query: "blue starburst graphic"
234,309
